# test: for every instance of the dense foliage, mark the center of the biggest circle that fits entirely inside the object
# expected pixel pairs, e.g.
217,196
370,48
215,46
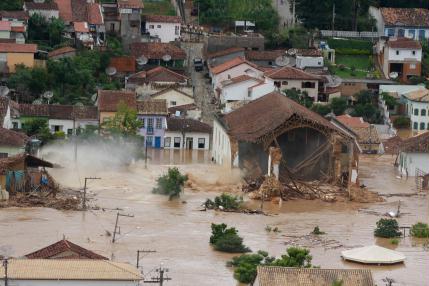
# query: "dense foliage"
227,239
11,4
387,228
365,108
170,184
299,96
245,266
420,230
350,47
402,122
39,128
225,201
125,122
339,105
46,33
390,101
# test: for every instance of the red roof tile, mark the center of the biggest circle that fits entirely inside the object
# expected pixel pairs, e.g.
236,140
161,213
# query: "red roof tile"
230,64
18,48
56,111
224,52
403,43
238,79
176,124
157,74
309,53
352,122
18,29
62,249
157,51
81,27
133,4
124,64
264,55
415,17
19,15
65,9
61,51
12,138
290,73
108,100
163,19
152,107
416,144
41,6
95,16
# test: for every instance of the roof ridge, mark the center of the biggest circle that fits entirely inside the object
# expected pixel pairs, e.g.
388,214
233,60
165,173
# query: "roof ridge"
115,264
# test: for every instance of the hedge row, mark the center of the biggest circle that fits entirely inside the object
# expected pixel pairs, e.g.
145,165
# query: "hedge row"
343,46
342,51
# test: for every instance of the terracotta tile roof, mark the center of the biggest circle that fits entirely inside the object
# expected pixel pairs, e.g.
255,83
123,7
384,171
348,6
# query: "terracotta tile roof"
23,158
124,64
157,74
18,29
108,100
224,52
152,107
285,276
18,48
367,135
54,111
415,17
157,51
416,144
182,108
403,43
391,145
5,26
290,73
309,53
264,55
61,51
265,114
169,89
352,122
12,138
34,110
65,9
421,95
163,19
176,124
61,250
41,6
95,16
20,15
230,64
238,79
81,27
71,269
133,4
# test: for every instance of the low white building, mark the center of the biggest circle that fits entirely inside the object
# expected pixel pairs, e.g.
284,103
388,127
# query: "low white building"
309,58
221,151
414,154
68,272
174,97
187,134
417,108
165,28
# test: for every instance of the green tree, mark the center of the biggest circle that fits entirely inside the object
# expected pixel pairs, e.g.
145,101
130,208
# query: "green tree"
390,101
299,96
387,228
125,122
294,257
226,201
420,230
245,265
322,109
38,127
11,5
227,239
339,105
55,29
170,184
402,122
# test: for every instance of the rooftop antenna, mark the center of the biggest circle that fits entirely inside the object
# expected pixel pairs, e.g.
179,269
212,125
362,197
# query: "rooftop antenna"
48,95
111,71
141,61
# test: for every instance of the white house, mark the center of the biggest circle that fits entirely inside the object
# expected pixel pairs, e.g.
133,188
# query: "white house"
414,154
165,28
187,134
309,58
47,9
412,23
174,97
293,78
221,151
231,69
242,89
417,108
68,272
5,112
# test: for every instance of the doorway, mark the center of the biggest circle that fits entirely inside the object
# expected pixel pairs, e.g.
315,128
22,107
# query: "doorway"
189,143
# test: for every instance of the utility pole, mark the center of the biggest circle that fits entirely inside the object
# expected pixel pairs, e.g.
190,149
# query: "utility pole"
161,270
6,280
142,251
118,228
333,20
84,190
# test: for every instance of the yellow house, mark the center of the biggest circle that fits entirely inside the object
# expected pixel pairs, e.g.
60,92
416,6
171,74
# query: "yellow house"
109,100
13,54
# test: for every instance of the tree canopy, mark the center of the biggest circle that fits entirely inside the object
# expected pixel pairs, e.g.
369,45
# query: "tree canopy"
11,5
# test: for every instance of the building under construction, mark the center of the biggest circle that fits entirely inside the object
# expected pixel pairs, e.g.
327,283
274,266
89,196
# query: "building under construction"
274,135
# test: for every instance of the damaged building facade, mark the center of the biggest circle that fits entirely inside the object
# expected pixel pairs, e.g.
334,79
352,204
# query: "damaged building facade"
275,135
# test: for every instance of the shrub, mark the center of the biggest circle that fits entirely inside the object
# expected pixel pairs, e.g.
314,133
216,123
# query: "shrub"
226,239
170,184
340,45
420,230
402,122
317,231
226,201
394,241
389,100
59,135
387,228
321,109
339,105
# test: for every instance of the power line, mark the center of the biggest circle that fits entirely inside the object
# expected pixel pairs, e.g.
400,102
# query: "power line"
84,190
117,229
160,279
142,251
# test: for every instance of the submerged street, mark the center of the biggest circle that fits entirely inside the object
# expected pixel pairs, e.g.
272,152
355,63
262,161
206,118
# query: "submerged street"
179,232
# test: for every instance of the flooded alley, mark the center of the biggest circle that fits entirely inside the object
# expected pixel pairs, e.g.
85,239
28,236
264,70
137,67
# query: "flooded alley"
179,232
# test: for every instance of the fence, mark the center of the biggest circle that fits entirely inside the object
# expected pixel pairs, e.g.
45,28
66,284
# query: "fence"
349,34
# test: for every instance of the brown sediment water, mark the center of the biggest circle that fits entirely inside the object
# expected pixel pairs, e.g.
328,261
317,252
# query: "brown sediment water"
179,232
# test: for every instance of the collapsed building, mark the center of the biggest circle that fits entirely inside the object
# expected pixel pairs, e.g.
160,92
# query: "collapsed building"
274,135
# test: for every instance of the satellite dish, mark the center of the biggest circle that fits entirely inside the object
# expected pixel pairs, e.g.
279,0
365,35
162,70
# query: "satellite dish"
292,52
4,90
141,61
48,94
393,75
282,61
111,71
94,97
166,58
38,102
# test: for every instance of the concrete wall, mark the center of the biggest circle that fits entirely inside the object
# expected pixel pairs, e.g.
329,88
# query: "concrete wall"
262,90
105,116
11,150
4,34
222,42
15,282
422,121
303,62
404,55
221,146
408,162
238,91
7,121
170,135
166,32
14,59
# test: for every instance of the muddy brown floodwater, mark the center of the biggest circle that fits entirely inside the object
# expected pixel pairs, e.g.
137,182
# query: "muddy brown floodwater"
180,233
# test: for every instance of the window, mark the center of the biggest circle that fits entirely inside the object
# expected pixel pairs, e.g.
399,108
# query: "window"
143,121
308,84
401,33
177,30
201,143
150,123
416,111
3,155
411,33
422,126
112,27
284,82
415,126
397,53
158,26
176,142
423,112
167,141
412,66
421,35
173,103
270,63
69,131
414,53
390,32
149,140
151,26
158,123
15,125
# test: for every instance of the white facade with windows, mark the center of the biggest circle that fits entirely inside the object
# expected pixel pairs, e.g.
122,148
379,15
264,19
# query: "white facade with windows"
189,140
407,32
409,162
418,112
166,32
221,150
